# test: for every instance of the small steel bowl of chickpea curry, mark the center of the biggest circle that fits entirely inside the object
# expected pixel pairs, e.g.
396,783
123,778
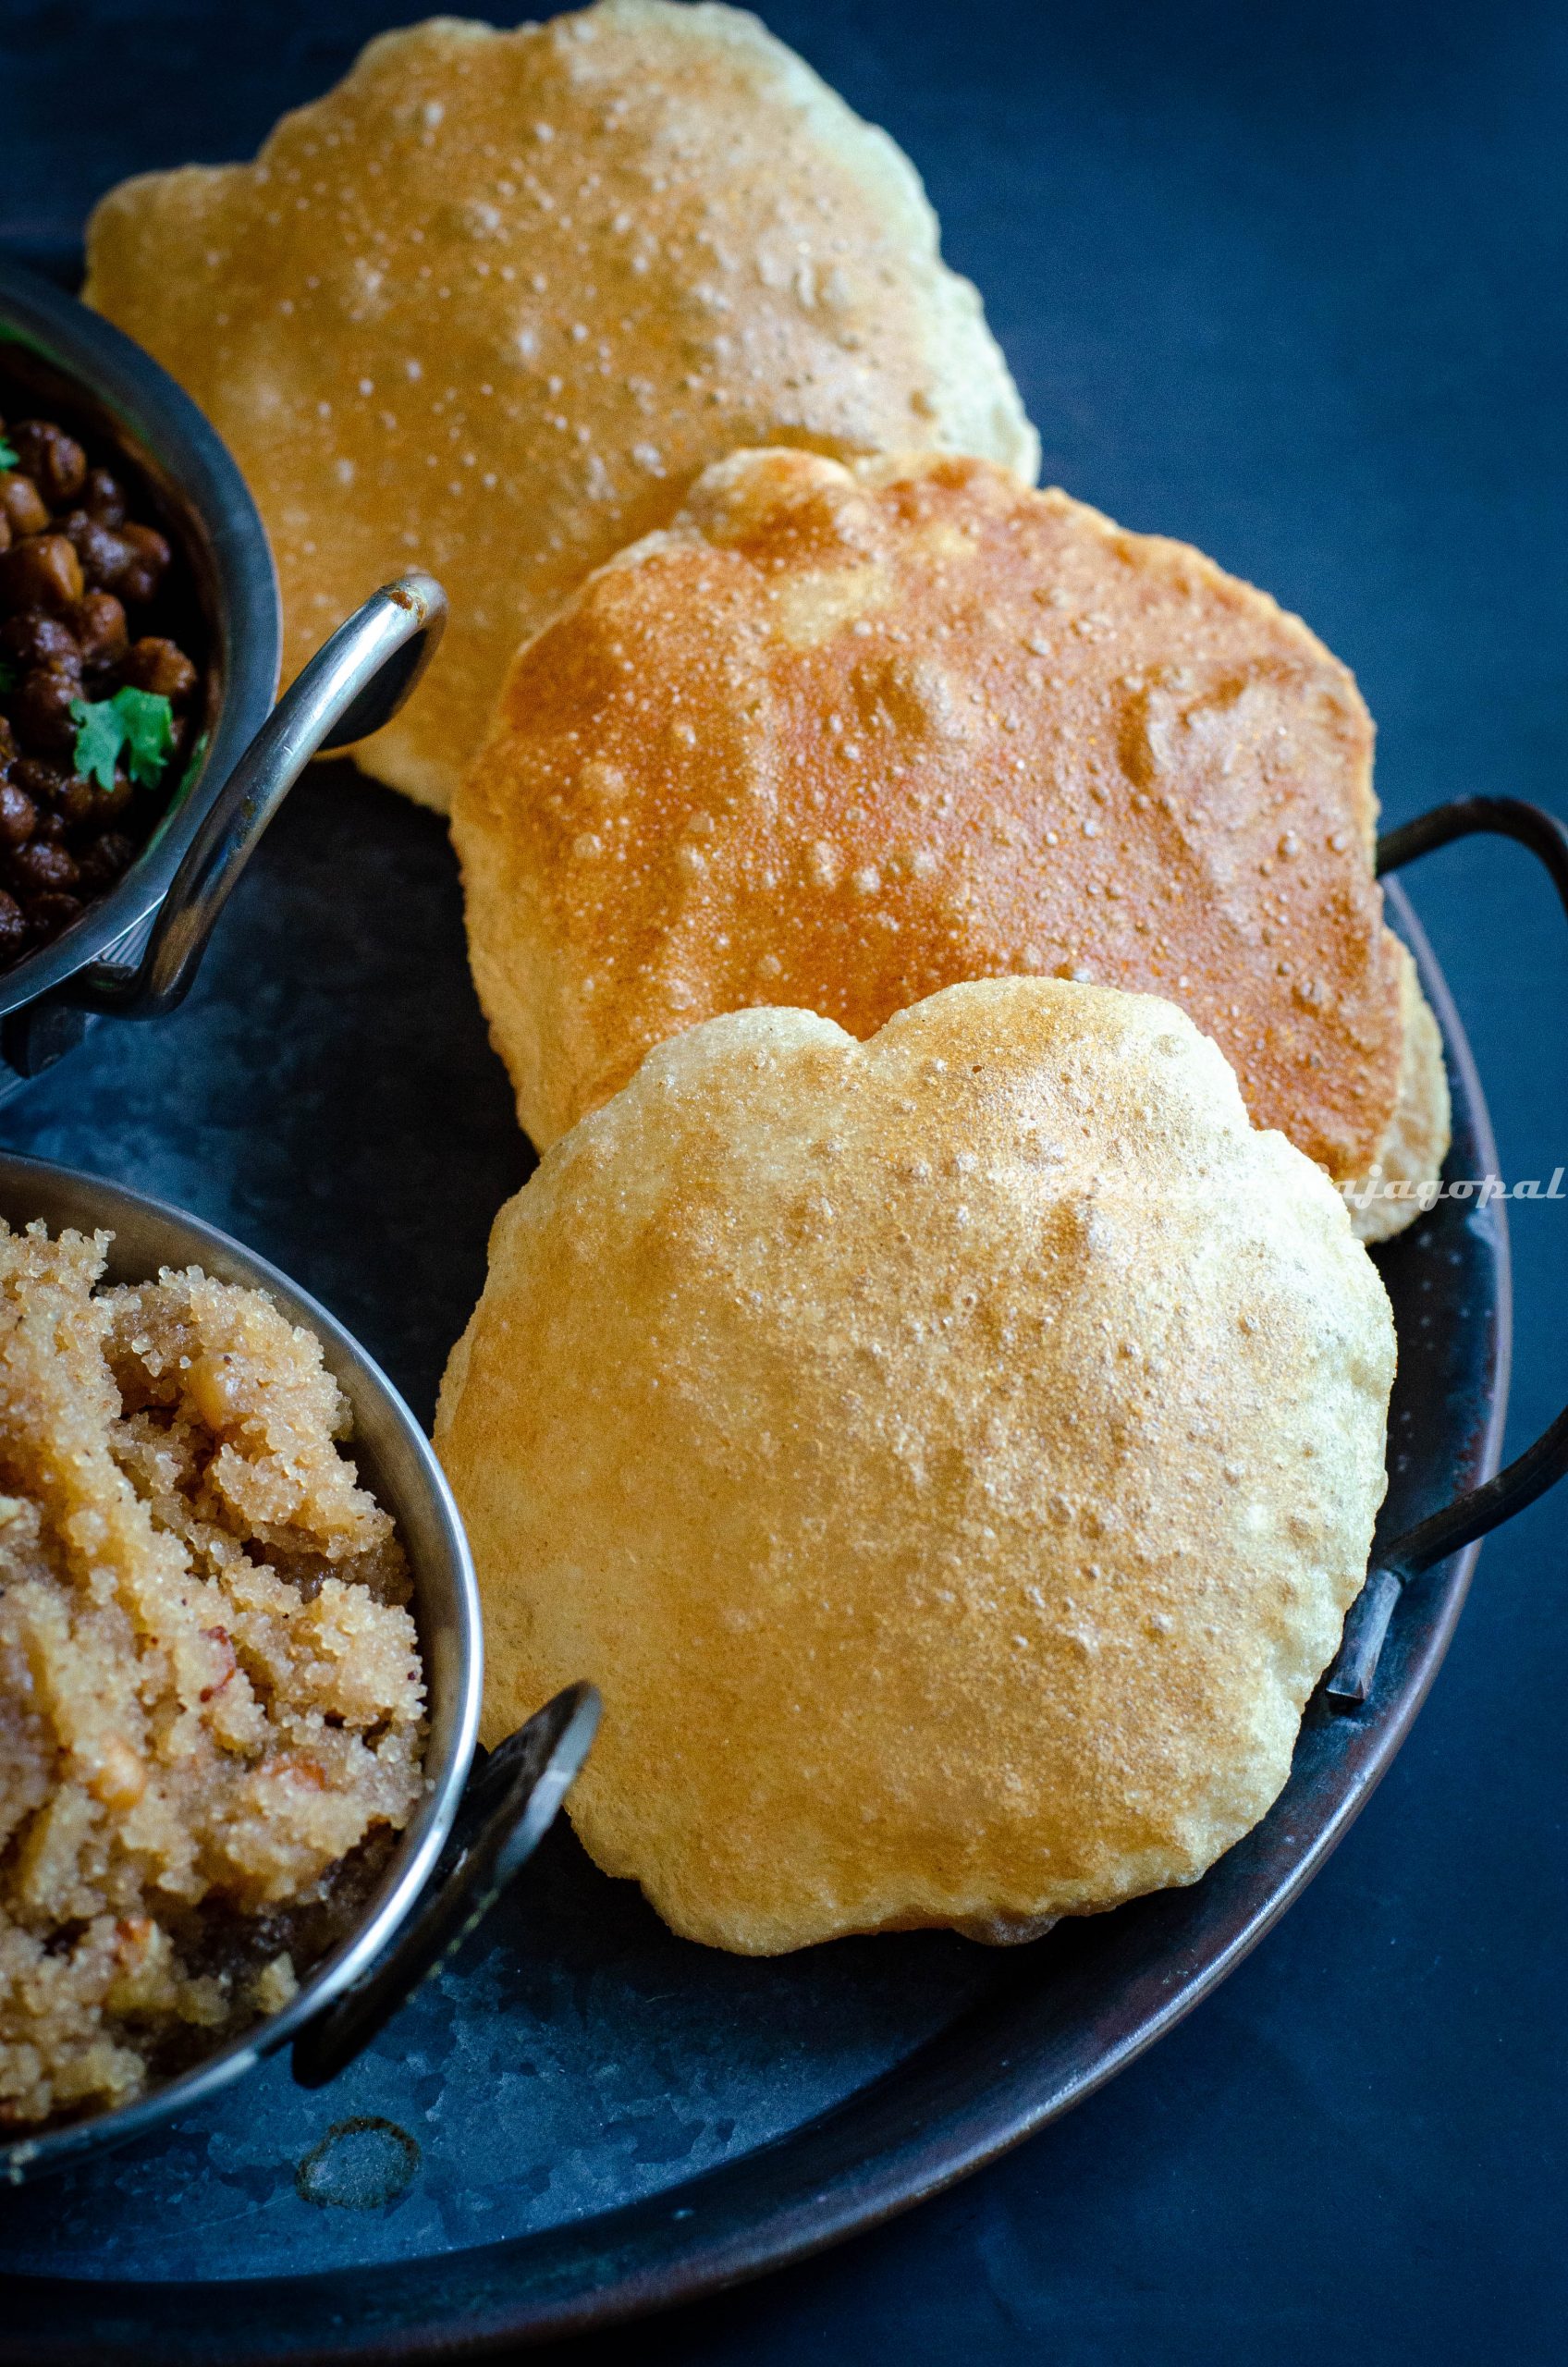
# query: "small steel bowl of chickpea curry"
140,755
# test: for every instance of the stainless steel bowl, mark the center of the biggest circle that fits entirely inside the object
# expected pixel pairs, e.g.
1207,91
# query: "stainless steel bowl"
76,368
134,951
419,1909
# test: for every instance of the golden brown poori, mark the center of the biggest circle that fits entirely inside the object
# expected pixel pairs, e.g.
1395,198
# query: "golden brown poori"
491,303
842,735
952,1455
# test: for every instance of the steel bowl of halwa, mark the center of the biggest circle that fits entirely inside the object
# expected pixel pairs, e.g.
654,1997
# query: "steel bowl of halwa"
239,1663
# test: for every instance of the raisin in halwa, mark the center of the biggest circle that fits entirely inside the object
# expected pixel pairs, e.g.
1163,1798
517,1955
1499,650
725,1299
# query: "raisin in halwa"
209,1692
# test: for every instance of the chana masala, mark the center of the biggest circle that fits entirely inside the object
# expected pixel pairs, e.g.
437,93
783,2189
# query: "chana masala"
211,1691
98,702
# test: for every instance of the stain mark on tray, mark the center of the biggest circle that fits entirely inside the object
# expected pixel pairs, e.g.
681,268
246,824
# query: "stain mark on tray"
359,2165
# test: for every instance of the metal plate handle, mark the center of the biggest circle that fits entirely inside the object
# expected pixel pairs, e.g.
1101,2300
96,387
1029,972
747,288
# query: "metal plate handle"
1541,1465
509,1807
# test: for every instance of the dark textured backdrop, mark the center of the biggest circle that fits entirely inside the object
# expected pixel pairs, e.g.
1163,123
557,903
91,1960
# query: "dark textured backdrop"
1287,280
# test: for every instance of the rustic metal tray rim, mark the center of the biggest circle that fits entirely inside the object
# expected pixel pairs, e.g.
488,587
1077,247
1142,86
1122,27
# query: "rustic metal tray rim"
647,2255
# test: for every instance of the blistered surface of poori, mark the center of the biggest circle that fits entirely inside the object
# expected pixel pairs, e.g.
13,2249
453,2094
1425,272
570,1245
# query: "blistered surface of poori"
844,736
952,1457
491,304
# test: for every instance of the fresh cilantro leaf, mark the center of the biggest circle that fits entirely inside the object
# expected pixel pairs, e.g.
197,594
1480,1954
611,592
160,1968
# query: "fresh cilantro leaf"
148,732
7,454
141,722
8,676
100,736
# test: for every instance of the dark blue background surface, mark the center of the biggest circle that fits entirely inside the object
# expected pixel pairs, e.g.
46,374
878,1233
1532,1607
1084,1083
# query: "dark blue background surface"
1289,281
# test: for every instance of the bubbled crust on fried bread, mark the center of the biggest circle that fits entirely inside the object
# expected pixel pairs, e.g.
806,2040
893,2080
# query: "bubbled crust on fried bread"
952,1457
491,303
842,736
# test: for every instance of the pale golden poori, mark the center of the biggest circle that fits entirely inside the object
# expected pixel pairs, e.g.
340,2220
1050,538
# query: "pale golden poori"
491,304
952,1455
843,734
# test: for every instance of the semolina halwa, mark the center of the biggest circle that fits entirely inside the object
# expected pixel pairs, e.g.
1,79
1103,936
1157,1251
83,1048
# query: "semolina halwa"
211,1693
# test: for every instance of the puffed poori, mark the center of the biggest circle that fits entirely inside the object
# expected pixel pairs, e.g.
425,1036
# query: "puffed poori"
843,735
491,304
952,1455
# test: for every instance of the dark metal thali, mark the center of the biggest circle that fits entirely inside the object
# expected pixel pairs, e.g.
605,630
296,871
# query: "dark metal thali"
588,2116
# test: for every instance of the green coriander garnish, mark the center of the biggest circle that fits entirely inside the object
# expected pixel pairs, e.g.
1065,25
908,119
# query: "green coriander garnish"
7,454
139,722
100,737
148,731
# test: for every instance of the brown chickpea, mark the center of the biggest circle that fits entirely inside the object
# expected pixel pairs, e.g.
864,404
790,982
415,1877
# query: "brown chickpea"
102,864
49,914
103,555
156,665
50,829
31,639
104,497
42,571
141,573
40,712
39,867
40,779
98,623
79,800
62,798
13,927
26,510
55,461
17,814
